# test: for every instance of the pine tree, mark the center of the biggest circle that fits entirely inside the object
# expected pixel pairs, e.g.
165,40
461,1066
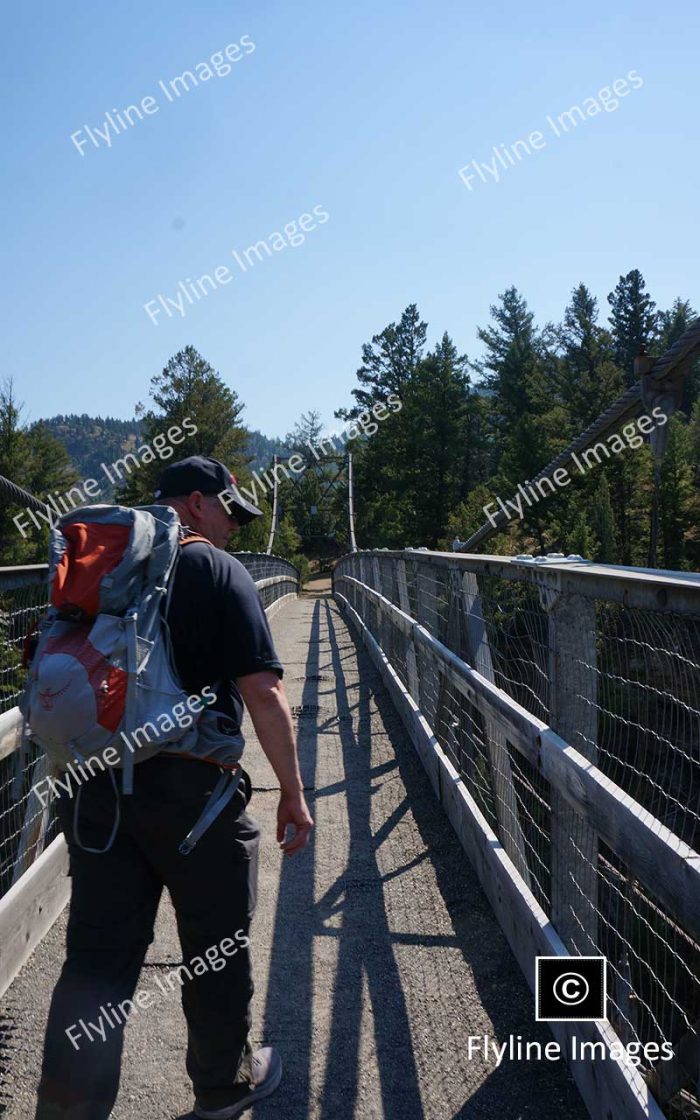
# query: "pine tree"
435,407
633,320
511,356
603,523
630,478
587,379
189,389
475,442
468,516
672,324
316,499
582,539
513,373
31,458
306,434
409,473
678,501
388,362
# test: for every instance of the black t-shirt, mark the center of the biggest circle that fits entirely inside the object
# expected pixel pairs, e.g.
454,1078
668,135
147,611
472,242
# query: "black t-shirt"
218,627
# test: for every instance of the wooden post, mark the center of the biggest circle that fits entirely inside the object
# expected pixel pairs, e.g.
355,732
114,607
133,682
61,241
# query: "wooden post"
381,627
405,605
626,1022
427,615
447,718
573,714
36,819
361,602
506,802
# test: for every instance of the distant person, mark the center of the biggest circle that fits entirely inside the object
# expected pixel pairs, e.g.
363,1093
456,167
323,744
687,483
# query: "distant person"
220,640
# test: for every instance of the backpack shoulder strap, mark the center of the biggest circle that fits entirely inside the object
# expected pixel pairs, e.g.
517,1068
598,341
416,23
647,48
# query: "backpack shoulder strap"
190,539
194,537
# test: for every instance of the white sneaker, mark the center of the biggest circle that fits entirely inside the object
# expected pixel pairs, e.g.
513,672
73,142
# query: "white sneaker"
267,1073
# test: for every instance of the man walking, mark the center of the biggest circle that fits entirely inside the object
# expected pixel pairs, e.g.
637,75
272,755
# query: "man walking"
220,640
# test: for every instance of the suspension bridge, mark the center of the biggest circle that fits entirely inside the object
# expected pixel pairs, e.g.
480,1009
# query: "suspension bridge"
502,758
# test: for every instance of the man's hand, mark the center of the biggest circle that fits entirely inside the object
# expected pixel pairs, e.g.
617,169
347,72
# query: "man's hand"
264,698
293,810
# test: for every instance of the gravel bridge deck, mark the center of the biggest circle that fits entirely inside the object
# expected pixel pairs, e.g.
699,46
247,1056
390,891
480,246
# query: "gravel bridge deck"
376,953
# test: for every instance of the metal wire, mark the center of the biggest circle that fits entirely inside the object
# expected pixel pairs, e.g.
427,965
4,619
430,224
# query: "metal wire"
14,493
20,610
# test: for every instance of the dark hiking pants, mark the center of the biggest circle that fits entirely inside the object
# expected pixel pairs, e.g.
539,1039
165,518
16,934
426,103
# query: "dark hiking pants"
114,900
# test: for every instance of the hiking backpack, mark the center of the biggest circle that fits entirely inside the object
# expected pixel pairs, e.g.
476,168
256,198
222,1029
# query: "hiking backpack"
102,669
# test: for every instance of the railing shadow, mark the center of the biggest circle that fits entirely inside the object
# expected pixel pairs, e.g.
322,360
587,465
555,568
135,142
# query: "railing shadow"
289,1005
365,948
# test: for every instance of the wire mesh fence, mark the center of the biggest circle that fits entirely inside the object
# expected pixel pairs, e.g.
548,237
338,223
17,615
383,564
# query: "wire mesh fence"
26,826
24,597
620,684
276,577
261,566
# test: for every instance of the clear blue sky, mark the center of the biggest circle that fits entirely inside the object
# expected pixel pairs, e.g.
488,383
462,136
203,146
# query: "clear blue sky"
367,110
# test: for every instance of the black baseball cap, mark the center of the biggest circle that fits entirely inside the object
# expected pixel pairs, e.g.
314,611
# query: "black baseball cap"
211,477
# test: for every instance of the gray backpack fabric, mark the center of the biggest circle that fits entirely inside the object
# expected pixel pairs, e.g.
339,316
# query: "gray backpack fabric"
102,685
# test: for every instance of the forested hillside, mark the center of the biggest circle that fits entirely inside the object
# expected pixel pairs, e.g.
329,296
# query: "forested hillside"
93,440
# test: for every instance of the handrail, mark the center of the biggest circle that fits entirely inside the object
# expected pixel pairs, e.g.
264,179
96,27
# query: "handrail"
650,588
